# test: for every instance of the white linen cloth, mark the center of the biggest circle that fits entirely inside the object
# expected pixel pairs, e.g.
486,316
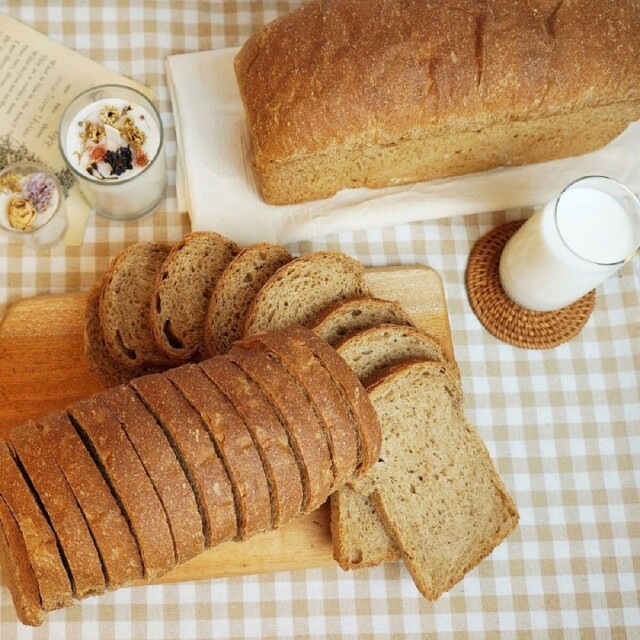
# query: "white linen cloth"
215,181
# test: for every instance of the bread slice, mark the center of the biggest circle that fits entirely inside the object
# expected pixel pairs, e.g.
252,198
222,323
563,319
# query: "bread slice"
116,545
235,446
196,452
18,573
346,317
235,290
182,292
125,302
268,433
354,396
304,427
371,350
300,289
114,454
163,469
359,537
41,544
435,487
61,509
321,391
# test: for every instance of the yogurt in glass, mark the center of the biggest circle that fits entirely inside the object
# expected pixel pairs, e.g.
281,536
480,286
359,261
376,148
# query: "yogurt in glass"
111,137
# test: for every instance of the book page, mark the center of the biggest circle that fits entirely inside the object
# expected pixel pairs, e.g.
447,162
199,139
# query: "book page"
38,78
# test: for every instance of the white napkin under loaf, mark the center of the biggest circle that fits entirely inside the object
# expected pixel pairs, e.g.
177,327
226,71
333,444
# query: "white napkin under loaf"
217,188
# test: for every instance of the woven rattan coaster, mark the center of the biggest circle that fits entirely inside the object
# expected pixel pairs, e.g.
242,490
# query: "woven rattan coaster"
502,317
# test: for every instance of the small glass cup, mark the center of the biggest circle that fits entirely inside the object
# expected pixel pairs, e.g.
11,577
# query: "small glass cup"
32,204
572,244
118,196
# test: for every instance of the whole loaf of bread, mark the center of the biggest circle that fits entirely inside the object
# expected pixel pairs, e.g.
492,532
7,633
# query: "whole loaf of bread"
350,93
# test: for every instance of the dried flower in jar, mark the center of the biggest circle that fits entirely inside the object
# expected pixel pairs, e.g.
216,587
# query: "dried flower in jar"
10,182
132,134
21,214
110,115
39,190
93,132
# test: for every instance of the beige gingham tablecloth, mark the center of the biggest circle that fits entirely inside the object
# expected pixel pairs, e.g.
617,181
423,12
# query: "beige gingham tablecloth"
562,425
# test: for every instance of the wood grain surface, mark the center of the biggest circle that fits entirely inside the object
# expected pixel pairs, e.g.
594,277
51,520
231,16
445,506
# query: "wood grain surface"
42,370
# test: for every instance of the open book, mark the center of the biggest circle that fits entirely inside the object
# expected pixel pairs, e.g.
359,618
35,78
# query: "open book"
39,77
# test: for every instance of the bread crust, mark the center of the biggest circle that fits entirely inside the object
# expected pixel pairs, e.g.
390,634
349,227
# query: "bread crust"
162,467
199,458
116,545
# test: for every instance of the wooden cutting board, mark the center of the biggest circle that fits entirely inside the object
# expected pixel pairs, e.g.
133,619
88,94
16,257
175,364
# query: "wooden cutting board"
42,370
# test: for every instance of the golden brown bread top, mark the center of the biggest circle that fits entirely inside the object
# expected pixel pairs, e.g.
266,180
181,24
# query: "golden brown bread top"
353,72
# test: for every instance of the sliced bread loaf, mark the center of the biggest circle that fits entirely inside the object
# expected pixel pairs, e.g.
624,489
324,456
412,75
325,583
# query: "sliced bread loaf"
235,446
163,469
235,290
304,427
345,317
109,528
369,351
268,433
18,573
300,289
61,509
196,452
125,302
40,540
182,292
113,452
354,396
435,487
321,391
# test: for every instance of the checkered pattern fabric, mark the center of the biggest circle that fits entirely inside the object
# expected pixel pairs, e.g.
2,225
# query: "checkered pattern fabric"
562,425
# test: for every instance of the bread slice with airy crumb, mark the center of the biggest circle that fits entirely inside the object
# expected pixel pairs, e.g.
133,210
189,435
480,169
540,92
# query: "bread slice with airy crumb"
304,286
234,292
346,317
98,360
369,351
182,292
359,538
125,302
435,486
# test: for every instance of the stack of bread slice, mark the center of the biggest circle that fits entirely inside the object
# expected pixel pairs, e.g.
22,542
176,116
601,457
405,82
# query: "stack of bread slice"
127,483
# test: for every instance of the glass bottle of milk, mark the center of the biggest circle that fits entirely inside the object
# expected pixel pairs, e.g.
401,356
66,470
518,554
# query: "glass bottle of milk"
572,244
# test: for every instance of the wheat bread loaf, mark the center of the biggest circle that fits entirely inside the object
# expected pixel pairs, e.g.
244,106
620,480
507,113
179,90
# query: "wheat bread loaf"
321,391
300,289
235,446
345,94
40,540
235,290
346,317
117,547
18,573
435,487
61,509
197,454
113,452
162,467
182,292
125,303
268,433
304,427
